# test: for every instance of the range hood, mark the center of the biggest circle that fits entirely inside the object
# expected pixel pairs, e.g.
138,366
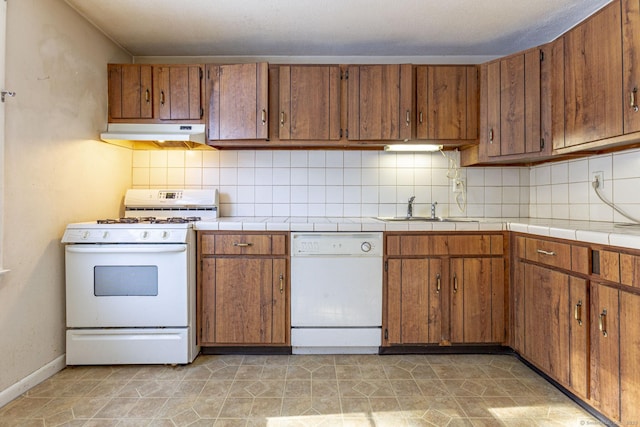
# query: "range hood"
145,136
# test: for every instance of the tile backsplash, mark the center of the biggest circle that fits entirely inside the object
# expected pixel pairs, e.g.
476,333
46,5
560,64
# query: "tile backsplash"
563,190
336,183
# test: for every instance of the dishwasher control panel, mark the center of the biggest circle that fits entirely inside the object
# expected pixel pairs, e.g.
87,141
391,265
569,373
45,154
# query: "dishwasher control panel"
346,244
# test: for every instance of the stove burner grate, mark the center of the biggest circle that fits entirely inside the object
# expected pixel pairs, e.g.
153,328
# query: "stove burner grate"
149,220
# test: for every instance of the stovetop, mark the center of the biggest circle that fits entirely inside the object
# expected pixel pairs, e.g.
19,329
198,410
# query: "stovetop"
149,220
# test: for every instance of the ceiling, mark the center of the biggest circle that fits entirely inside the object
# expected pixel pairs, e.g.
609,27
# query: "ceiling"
367,28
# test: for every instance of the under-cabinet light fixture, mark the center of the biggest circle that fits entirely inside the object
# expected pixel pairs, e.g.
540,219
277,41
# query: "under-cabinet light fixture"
413,147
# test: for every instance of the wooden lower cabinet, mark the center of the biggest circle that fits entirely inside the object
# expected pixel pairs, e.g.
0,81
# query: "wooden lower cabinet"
605,350
629,358
444,298
243,298
414,301
546,321
477,300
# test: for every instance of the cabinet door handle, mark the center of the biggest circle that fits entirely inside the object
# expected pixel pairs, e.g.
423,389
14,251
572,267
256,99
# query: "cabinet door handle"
438,283
602,323
282,118
408,118
455,284
281,283
420,117
634,104
264,117
147,96
242,245
161,97
491,135
543,252
577,312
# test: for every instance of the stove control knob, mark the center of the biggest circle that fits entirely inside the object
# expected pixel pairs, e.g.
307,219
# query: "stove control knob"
366,247
105,235
145,235
165,235
85,235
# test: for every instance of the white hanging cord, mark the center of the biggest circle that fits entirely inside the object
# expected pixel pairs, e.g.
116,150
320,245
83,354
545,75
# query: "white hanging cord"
453,173
596,187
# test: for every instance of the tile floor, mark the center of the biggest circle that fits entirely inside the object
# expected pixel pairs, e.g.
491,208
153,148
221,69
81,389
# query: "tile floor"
318,390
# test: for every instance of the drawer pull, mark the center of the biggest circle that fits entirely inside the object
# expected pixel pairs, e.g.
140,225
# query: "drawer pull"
264,117
543,252
242,245
602,323
281,283
455,284
438,283
577,313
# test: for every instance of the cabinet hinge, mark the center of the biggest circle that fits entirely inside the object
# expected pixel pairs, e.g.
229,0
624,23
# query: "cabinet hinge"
386,334
201,73
346,133
386,266
346,75
201,112
542,143
340,133
201,265
541,55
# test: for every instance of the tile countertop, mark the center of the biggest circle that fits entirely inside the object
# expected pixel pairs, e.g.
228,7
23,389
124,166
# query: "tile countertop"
605,233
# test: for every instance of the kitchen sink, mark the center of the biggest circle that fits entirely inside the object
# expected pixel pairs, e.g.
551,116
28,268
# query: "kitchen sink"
422,219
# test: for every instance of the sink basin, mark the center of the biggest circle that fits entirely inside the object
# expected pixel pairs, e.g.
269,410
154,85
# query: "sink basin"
423,219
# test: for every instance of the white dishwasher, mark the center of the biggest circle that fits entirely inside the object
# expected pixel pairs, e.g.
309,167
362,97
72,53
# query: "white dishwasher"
336,293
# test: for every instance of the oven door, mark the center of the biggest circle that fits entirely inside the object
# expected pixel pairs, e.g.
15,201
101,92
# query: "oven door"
120,285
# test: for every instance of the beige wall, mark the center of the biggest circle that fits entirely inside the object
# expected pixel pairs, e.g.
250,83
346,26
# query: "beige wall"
55,172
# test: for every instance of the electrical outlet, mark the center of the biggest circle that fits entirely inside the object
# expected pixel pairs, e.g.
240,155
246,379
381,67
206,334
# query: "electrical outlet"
458,185
599,176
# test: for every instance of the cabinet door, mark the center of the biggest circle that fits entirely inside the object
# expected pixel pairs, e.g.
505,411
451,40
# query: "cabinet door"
631,64
446,99
491,113
629,358
605,350
414,301
380,102
130,91
547,321
238,301
579,337
512,96
238,101
518,307
309,102
179,92
592,78
471,300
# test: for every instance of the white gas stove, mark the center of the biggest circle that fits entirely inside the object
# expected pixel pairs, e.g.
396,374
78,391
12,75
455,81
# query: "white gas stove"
130,282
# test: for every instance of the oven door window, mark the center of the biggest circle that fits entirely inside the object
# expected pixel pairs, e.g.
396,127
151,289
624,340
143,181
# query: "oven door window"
125,280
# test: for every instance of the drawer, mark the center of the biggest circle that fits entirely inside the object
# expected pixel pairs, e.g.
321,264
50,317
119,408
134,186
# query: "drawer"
439,245
555,254
630,270
243,244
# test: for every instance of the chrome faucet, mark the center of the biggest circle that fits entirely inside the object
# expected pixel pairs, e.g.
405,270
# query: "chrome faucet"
433,210
410,206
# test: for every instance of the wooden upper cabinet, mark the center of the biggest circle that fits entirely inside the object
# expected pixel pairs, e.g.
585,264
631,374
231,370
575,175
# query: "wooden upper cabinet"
380,99
178,92
592,78
238,101
511,105
130,91
631,64
309,102
447,102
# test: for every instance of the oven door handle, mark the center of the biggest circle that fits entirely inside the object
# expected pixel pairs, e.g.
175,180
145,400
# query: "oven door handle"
121,250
